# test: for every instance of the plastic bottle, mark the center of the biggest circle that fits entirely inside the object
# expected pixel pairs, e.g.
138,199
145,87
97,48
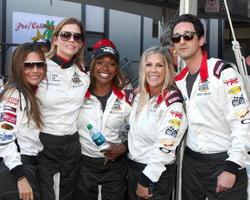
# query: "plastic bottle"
98,138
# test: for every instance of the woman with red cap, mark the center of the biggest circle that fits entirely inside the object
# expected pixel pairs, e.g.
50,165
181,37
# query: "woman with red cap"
106,108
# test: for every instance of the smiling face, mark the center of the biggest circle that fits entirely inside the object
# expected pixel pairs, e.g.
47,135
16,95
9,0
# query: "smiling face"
155,72
67,49
34,73
187,49
105,70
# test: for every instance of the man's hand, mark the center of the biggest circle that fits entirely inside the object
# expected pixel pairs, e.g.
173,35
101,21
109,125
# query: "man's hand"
114,151
143,192
225,181
25,190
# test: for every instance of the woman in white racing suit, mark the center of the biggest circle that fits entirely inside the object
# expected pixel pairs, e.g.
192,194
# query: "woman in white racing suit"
19,125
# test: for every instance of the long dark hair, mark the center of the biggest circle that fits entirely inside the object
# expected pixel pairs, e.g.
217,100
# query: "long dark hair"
17,81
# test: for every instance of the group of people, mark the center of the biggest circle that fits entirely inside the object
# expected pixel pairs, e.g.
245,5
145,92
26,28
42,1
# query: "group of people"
52,109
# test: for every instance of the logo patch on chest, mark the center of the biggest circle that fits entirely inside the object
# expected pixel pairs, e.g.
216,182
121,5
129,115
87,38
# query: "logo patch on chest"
76,79
203,89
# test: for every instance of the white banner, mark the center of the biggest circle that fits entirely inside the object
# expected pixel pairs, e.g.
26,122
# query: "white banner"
27,27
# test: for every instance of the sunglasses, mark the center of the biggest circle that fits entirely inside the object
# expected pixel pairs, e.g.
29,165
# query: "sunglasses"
32,64
65,36
187,36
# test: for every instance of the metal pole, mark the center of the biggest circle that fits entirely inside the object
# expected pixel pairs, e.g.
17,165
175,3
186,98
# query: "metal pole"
4,48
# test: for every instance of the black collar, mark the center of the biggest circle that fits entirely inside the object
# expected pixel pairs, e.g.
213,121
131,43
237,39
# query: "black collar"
62,62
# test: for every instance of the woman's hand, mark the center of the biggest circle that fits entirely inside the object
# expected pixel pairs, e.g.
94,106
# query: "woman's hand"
114,151
25,190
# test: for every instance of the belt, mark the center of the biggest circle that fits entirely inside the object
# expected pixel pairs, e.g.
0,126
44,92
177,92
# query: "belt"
140,166
97,160
200,156
32,160
55,139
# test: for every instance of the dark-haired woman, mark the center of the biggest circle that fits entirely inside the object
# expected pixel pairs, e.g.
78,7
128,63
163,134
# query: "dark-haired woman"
61,96
19,125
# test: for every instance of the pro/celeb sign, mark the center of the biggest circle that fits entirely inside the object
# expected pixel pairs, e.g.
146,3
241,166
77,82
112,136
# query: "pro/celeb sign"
27,27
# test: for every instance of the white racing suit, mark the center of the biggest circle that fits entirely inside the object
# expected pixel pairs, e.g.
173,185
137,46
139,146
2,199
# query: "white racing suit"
154,136
218,116
19,146
61,96
112,123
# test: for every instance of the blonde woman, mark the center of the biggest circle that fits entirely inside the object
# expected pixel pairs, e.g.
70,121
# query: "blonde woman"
61,96
157,125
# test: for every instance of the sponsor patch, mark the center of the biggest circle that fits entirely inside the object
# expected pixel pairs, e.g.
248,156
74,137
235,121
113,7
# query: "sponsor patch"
234,90
203,89
242,113
167,142
164,150
238,100
9,117
117,105
12,100
171,131
53,79
9,108
175,122
176,114
245,121
6,137
1,117
6,126
231,81
154,107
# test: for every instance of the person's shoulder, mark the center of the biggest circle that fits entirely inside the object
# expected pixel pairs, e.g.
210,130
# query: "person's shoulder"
129,95
173,96
217,66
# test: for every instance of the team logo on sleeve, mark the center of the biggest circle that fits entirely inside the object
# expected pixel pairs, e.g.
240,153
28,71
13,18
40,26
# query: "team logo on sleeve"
6,126
176,114
234,90
231,81
9,117
12,101
175,122
246,121
171,131
238,100
242,113
5,138
9,108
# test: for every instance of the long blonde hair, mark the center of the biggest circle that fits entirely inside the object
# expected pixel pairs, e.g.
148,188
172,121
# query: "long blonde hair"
169,76
79,57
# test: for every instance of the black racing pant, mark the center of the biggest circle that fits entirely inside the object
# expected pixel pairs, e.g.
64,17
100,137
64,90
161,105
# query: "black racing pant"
60,154
199,177
8,183
111,176
162,190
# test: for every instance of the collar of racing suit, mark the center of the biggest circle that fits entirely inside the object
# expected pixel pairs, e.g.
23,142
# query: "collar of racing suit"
203,69
115,90
62,62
